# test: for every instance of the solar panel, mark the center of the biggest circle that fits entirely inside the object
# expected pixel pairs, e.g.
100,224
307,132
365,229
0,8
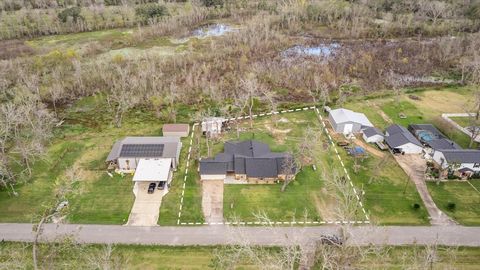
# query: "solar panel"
142,150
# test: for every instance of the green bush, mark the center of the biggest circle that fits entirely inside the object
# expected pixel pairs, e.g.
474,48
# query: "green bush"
416,206
73,12
451,206
151,11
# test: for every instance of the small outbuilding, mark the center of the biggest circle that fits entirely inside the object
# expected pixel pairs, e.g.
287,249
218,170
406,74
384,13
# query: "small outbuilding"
372,135
346,121
213,126
176,130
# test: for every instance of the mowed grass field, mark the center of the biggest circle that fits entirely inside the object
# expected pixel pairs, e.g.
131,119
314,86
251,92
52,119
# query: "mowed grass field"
465,198
427,108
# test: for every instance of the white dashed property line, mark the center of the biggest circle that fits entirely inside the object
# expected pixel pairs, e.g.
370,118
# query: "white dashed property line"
278,222
343,165
273,222
180,208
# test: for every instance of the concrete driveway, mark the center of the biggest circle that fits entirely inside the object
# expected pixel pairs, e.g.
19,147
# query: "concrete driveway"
212,200
415,166
146,207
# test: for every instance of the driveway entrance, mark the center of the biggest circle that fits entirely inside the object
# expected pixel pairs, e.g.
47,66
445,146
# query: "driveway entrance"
415,166
146,207
212,200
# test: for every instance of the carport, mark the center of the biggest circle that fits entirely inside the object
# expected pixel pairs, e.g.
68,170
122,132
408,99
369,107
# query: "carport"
146,207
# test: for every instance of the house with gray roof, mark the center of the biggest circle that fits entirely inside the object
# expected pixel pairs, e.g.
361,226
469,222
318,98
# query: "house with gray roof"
127,152
400,140
462,162
347,121
250,160
372,135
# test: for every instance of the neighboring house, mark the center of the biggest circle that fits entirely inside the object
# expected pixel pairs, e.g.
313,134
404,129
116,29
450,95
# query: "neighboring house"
127,153
346,121
251,161
213,125
400,140
460,162
176,130
372,135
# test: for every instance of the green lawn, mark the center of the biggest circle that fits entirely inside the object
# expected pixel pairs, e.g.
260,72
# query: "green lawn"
82,143
296,203
389,193
464,196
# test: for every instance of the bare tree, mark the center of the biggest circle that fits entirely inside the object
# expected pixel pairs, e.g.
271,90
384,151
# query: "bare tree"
289,168
252,88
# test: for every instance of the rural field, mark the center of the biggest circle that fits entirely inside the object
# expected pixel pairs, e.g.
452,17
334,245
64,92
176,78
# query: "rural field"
78,76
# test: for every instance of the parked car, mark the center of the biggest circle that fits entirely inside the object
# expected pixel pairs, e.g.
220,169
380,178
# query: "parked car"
161,185
331,240
151,188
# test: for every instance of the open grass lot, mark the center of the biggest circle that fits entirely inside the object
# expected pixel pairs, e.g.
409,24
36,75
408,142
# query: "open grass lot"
389,194
81,145
463,195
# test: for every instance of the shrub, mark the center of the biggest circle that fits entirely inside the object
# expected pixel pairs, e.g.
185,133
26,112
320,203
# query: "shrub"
150,11
213,3
73,12
451,206
416,206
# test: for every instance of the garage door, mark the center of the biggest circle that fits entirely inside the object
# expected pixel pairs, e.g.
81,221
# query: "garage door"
348,128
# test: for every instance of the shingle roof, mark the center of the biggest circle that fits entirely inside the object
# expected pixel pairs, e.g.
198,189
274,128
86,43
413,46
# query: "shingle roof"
461,155
176,128
372,131
394,129
443,144
399,139
212,167
250,157
344,115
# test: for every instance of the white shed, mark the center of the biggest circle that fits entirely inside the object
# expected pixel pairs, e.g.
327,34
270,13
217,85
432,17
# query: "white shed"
346,121
372,135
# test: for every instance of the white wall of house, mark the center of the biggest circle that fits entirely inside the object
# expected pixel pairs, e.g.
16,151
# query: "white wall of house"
410,148
212,177
439,158
373,139
130,164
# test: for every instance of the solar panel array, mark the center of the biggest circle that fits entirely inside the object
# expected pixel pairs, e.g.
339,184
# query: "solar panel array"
142,150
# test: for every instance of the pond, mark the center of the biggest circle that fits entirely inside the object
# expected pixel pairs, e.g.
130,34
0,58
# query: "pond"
322,50
213,30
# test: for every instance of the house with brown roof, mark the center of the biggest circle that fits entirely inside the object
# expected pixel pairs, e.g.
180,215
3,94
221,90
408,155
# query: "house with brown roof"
176,130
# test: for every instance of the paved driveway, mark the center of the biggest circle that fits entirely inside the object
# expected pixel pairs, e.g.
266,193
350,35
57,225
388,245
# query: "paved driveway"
146,207
212,200
415,166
